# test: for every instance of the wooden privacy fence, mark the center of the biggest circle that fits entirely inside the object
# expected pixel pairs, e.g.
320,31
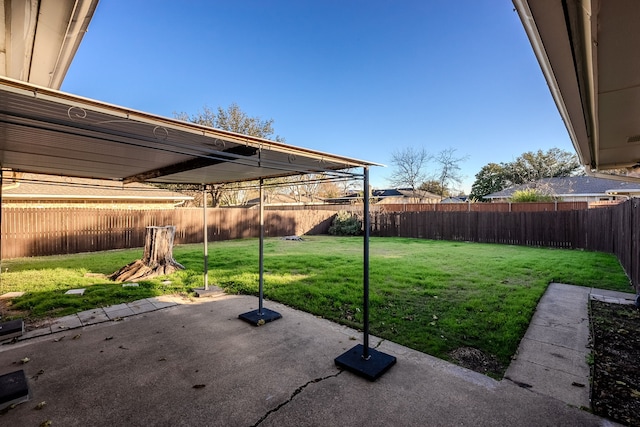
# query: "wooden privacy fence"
34,232
37,232
447,207
614,230
481,207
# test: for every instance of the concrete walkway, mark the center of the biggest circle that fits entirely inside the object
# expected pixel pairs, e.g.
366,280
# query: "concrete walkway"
198,364
104,314
552,358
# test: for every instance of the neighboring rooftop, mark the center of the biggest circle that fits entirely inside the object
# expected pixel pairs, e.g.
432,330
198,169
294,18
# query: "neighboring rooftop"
29,187
575,186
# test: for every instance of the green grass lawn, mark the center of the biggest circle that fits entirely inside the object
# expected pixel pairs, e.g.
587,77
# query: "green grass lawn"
433,296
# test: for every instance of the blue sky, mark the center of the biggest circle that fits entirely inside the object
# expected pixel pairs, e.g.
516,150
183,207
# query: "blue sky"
349,77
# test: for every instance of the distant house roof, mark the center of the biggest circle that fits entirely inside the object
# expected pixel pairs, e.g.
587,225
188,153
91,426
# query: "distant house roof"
389,194
29,186
455,199
285,199
573,186
403,192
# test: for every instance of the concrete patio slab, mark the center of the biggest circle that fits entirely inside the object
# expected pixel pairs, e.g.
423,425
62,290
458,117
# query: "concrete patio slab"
612,297
141,306
114,314
91,317
198,364
66,322
552,356
559,335
550,382
45,330
163,301
213,291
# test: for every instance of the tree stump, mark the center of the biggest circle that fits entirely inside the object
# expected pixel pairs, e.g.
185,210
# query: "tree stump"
157,259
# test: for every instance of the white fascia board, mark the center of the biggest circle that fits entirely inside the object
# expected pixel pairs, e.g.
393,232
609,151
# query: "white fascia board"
529,24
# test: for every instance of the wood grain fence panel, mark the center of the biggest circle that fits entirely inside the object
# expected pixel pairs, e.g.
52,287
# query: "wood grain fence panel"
614,229
632,266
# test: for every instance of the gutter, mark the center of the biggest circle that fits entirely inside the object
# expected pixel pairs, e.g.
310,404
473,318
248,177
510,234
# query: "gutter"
529,24
597,174
81,197
574,19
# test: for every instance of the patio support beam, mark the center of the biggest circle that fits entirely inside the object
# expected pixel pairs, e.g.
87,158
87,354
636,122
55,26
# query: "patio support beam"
205,229
1,183
196,163
261,251
362,360
262,315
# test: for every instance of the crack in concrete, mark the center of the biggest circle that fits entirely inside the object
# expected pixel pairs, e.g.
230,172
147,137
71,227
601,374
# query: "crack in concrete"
294,394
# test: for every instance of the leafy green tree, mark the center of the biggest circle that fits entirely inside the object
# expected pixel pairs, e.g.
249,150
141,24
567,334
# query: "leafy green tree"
231,119
532,166
490,179
531,195
434,186
345,224
528,167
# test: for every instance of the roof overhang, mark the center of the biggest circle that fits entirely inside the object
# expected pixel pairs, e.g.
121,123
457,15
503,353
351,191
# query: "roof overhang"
40,38
51,132
589,52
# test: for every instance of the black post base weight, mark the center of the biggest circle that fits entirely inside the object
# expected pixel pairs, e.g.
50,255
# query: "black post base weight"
257,318
372,368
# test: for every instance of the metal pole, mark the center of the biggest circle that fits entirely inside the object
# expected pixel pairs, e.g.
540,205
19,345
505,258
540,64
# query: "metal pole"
261,279
205,232
365,222
1,283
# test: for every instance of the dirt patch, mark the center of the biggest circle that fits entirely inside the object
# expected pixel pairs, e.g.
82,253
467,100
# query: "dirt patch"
476,360
30,323
615,388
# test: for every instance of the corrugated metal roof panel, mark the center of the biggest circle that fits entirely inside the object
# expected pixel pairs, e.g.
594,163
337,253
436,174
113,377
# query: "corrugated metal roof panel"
51,132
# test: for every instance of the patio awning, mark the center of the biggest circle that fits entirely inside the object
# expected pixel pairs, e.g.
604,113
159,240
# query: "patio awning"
51,132
39,38
589,52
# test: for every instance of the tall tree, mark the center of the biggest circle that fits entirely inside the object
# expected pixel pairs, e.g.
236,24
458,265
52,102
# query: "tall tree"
490,179
448,169
532,166
528,167
410,167
301,188
434,186
231,119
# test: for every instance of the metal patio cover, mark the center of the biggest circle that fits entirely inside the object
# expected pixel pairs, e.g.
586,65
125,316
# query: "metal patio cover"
39,38
48,131
589,52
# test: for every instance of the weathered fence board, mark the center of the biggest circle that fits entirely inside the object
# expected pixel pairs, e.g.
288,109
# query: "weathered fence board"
480,207
38,232
614,229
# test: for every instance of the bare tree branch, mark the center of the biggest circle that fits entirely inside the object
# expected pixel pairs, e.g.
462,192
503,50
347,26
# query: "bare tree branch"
410,167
